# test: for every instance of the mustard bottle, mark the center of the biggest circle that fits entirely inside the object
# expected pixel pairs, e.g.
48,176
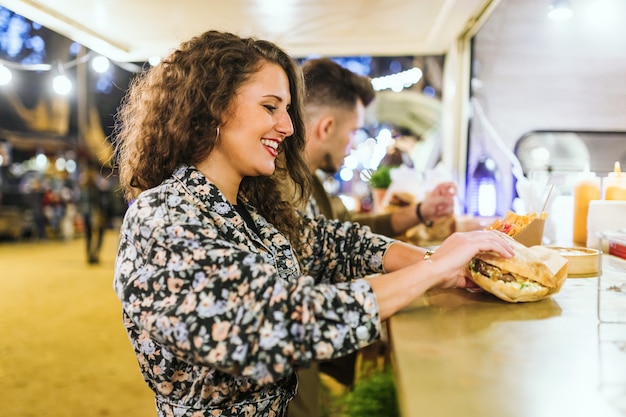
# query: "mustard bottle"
615,184
585,190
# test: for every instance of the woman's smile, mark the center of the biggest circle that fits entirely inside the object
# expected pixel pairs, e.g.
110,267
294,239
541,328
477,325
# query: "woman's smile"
271,145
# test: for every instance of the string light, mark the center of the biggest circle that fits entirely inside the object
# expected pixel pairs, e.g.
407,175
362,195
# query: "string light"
5,75
154,60
100,64
398,81
61,84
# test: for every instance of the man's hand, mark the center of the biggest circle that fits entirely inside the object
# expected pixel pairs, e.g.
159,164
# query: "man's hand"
439,202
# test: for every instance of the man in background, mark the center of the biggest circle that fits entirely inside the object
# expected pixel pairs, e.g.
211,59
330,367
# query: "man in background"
334,111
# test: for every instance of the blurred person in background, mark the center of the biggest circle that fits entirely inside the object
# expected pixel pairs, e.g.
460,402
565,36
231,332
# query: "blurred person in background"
92,206
34,196
335,104
335,110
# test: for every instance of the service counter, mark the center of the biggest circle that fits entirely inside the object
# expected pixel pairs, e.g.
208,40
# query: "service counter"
458,353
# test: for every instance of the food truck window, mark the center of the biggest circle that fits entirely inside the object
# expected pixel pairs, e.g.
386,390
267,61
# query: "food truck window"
596,151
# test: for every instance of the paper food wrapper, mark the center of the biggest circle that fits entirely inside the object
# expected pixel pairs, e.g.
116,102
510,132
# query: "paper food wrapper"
532,234
527,229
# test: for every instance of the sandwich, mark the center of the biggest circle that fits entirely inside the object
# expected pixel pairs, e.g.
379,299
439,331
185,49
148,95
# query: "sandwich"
401,199
532,274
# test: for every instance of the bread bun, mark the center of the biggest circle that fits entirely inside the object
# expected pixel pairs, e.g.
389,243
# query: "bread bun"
532,274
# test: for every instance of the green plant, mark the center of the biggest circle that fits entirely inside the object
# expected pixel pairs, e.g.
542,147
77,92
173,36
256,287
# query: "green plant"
373,396
381,178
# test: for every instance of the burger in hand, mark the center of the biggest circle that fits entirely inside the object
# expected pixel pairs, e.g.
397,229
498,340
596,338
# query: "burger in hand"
532,274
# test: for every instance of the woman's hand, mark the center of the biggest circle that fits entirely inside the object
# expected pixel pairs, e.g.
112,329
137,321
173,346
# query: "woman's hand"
456,252
409,275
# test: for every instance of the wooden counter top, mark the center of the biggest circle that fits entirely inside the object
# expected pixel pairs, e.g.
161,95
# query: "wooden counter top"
462,354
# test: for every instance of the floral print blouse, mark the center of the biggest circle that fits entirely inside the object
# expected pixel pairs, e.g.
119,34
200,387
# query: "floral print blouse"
220,316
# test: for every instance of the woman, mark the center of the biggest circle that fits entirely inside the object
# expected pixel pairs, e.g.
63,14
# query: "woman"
225,288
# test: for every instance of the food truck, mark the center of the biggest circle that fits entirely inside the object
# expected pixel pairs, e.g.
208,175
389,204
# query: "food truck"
515,100
503,89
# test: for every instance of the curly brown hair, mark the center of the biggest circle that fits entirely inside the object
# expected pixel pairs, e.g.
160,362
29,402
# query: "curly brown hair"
170,115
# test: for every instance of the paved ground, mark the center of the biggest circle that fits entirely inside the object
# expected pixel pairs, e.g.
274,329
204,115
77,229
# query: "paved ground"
63,349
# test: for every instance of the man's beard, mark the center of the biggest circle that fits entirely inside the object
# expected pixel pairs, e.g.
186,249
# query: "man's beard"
328,166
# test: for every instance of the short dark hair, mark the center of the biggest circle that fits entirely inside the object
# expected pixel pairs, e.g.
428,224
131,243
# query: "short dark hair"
329,84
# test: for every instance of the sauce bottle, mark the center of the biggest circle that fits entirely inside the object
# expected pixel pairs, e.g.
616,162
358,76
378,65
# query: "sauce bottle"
585,190
615,184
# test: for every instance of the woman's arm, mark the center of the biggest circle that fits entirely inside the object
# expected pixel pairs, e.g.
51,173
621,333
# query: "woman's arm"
408,275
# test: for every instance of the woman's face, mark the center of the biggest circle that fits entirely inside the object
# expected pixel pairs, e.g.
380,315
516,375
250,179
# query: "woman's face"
254,126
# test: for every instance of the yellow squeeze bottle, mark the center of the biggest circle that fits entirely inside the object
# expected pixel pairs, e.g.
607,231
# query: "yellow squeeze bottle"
615,184
587,189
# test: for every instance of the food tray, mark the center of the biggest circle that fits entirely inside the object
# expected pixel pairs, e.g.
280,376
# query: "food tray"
581,262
